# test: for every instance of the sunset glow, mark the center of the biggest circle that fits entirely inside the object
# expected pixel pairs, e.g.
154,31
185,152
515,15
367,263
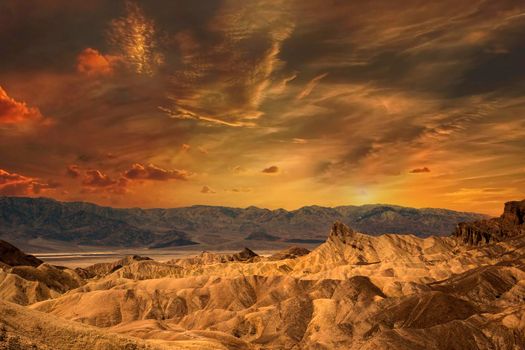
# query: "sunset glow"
265,103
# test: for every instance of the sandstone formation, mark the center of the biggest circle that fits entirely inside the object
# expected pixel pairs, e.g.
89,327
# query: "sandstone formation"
509,224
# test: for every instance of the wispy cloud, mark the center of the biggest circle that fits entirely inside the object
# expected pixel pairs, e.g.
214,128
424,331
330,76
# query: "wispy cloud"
311,86
134,36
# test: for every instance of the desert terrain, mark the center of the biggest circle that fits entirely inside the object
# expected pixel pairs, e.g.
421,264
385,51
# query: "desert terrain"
354,291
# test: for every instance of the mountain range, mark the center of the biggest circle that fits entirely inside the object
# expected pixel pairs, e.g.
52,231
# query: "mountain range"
43,222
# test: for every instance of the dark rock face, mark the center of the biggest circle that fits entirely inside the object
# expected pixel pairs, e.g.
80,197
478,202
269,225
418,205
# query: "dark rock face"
12,256
341,232
509,224
514,212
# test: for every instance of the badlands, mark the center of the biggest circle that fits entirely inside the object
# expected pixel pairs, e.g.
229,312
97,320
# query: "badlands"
355,291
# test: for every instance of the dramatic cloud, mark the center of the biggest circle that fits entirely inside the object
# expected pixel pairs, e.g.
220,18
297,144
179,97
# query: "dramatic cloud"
13,184
93,63
153,172
15,112
225,81
7,177
420,170
95,178
351,99
271,170
97,182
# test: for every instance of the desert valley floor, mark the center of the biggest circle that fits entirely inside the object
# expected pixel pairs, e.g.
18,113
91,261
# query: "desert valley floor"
355,291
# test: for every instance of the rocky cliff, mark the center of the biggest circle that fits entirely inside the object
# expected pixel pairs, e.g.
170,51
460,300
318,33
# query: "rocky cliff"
509,224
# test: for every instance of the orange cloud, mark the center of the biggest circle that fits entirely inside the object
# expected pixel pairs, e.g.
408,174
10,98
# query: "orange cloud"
95,178
271,170
7,177
420,170
13,184
96,181
92,63
15,112
153,172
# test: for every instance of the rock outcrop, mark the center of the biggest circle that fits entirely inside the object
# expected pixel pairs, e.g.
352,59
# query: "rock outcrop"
341,232
206,258
102,269
509,224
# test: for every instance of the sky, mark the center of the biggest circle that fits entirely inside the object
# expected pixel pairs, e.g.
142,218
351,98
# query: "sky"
272,103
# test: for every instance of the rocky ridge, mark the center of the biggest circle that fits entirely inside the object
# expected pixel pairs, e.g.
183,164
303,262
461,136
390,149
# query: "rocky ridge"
510,224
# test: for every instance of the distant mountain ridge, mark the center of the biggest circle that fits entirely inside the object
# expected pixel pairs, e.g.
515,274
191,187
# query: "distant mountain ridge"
24,219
